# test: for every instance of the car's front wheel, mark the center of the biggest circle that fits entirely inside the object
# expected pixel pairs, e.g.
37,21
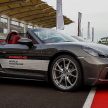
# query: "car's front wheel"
66,73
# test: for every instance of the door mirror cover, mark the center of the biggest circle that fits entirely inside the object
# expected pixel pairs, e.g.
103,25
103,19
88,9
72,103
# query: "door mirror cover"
26,41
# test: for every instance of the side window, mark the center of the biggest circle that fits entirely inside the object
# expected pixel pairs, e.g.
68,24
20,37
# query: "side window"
30,37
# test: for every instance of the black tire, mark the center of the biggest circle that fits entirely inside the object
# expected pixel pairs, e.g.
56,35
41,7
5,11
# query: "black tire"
73,64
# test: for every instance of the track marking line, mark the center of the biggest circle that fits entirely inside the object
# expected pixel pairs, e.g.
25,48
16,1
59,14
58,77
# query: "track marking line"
89,99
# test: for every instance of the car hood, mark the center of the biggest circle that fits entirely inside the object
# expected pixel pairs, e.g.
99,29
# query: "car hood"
99,47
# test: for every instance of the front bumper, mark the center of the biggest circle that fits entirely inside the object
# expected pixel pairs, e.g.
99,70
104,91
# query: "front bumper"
103,78
95,70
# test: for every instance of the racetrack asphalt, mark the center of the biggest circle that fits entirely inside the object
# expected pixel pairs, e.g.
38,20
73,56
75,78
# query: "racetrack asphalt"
33,94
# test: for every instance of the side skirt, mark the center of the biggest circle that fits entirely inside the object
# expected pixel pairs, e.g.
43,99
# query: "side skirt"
23,74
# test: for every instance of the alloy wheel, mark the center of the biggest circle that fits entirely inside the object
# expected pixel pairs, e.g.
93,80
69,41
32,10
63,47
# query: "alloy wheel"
64,73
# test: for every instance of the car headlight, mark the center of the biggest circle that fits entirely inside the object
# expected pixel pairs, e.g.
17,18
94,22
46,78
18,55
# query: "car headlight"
94,52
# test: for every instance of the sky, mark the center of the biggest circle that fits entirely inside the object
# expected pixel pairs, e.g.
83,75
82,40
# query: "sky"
95,11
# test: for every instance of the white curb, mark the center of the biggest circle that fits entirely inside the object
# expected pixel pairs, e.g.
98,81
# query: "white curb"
90,98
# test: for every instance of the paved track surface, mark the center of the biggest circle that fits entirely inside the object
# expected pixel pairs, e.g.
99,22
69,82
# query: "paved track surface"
32,94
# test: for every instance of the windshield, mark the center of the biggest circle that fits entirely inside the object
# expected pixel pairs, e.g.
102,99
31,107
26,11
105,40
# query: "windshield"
79,39
52,36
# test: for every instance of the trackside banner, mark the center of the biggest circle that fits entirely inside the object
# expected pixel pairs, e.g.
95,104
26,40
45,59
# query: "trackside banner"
59,16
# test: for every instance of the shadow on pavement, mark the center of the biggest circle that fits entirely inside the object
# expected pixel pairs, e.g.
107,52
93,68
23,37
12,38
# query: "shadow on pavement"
37,84
35,94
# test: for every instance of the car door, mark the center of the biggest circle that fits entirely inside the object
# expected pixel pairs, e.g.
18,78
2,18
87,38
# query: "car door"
20,60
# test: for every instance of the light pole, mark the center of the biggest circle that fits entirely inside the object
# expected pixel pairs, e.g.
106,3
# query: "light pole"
59,16
88,31
79,23
92,34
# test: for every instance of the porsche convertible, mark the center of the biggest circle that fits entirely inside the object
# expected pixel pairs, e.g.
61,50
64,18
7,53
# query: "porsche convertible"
45,54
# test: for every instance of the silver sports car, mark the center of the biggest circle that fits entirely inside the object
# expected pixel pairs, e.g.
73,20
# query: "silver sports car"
45,54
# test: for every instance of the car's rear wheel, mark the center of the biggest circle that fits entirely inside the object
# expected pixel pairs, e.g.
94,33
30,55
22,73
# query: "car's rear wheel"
66,73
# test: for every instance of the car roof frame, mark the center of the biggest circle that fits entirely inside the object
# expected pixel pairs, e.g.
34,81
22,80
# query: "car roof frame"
31,31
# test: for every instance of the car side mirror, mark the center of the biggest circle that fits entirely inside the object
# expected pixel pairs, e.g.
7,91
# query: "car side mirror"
26,41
